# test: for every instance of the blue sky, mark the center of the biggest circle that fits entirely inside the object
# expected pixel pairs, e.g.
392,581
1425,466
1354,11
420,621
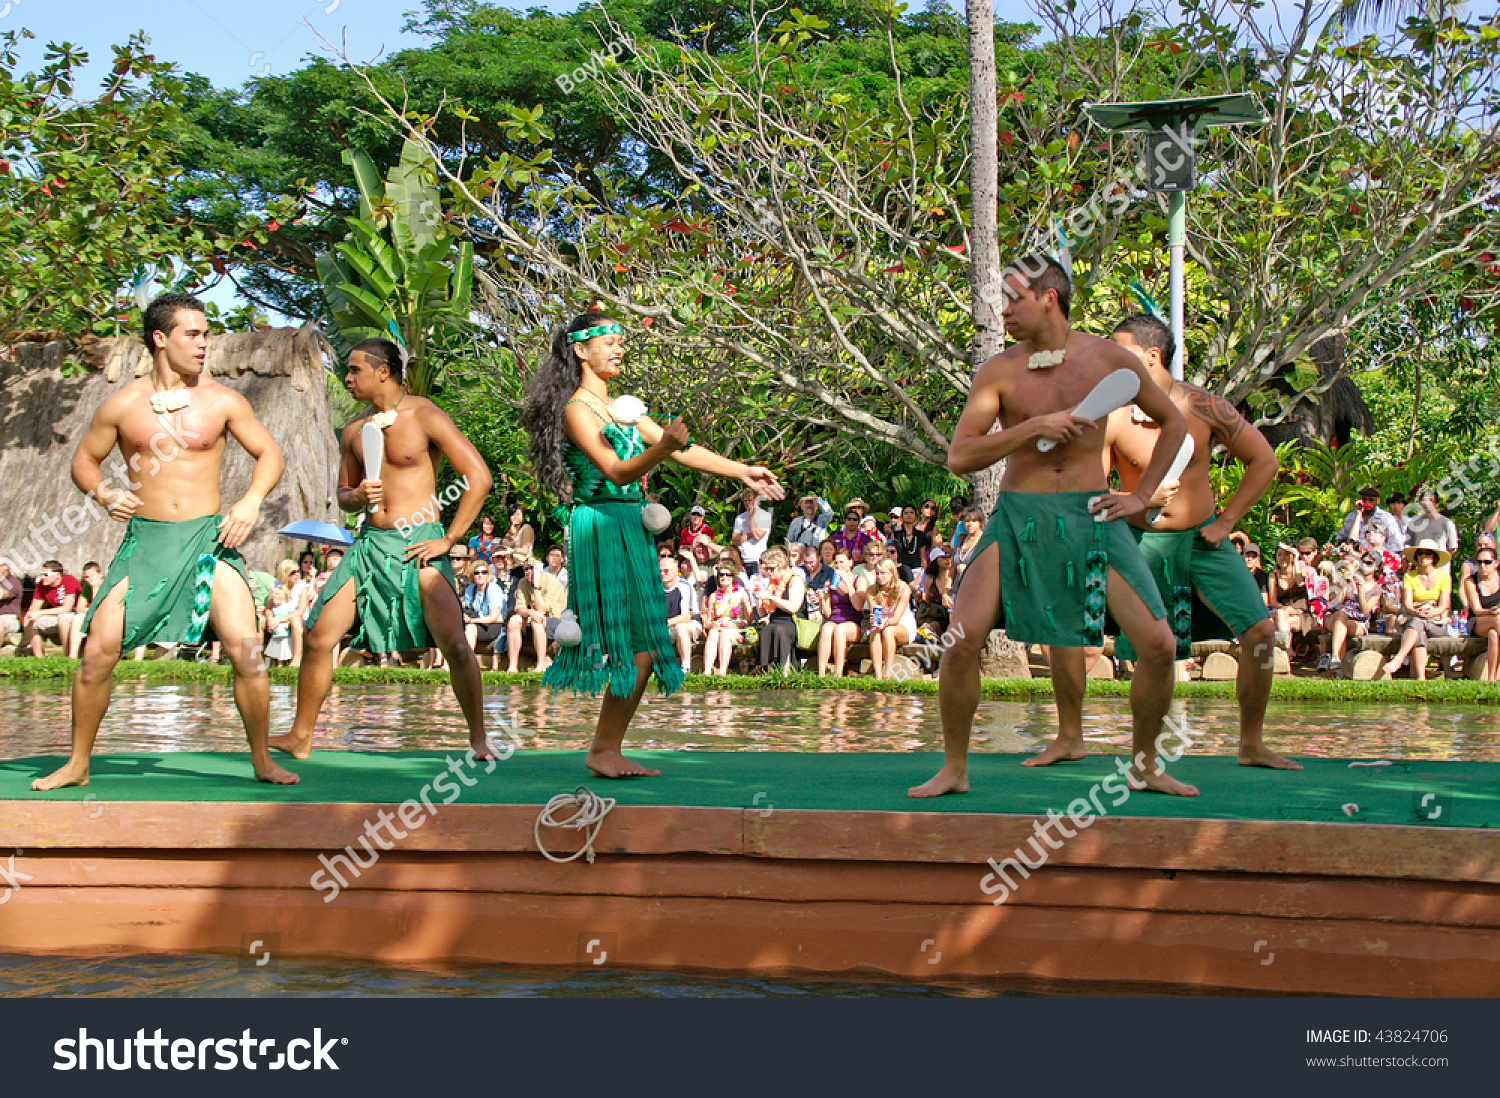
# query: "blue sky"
231,42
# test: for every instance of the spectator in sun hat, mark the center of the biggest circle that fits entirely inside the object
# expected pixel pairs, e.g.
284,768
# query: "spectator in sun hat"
1239,539
1369,511
1426,596
851,538
811,525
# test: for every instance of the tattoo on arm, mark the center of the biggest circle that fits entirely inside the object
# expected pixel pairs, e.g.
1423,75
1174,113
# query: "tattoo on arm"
1218,413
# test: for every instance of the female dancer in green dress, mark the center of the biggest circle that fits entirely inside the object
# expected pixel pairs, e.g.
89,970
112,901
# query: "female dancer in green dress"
590,460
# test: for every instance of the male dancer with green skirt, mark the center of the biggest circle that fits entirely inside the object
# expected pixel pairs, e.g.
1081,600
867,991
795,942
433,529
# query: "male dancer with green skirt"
1207,588
395,578
1053,555
177,571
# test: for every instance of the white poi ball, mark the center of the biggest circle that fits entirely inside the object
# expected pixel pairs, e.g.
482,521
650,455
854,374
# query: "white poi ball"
627,409
568,633
655,517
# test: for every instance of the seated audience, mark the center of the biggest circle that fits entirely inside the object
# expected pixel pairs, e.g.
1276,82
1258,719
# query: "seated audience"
780,600
892,622
556,559
681,622
539,601
1483,588
484,610
11,589
726,611
1426,596
54,597
70,635
1354,599
842,604
936,600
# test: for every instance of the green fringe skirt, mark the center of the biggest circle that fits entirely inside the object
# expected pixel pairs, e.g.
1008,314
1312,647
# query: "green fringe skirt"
1054,567
614,589
170,566
387,598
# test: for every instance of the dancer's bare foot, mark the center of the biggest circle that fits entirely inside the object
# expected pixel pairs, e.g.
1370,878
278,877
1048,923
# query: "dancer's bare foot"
276,775
612,764
295,746
1163,783
69,773
946,780
1059,750
482,749
1261,755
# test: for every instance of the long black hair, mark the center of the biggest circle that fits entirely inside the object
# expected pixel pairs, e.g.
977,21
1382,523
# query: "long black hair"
556,380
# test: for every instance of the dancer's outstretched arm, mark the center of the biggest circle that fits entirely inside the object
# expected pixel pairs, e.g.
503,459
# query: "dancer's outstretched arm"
704,460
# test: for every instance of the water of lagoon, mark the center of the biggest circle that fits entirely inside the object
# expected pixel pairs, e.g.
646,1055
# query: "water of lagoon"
191,716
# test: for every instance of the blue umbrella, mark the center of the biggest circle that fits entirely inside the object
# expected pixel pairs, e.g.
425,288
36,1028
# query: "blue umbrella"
322,533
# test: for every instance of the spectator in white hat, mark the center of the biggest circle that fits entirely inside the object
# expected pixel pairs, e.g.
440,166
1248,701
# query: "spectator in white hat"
694,528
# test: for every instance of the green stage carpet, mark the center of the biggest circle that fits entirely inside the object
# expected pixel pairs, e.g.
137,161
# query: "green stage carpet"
1465,794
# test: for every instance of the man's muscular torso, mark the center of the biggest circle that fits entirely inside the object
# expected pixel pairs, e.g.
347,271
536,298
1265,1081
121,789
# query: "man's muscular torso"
172,459
1077,466
408,469
1210,418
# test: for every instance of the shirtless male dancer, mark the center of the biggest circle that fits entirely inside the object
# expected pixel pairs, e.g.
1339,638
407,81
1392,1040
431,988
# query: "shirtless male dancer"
1186,549
177,570
395,578
1046,566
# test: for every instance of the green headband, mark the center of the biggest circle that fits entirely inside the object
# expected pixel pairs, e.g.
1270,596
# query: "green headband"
589,333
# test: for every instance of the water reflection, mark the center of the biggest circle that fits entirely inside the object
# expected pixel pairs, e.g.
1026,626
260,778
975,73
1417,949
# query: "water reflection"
202,717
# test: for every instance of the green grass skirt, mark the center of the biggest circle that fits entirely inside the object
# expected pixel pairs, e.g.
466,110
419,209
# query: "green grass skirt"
387,598
170,566
614,589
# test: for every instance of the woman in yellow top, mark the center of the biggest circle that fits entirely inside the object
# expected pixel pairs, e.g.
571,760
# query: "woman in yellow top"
1426,594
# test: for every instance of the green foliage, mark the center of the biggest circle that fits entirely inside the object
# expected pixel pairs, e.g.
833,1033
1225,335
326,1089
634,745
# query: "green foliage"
400,269
86,188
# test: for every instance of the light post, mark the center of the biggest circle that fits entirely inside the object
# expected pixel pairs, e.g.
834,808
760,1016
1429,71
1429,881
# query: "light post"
1171,126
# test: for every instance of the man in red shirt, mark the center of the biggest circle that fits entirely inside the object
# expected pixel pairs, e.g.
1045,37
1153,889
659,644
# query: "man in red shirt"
694,529
55,594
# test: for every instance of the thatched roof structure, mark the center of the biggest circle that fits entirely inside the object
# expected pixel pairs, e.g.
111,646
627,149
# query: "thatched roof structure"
44,411
1332,416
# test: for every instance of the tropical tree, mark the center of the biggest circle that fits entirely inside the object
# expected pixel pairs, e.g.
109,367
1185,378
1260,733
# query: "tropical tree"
85,189
401,272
